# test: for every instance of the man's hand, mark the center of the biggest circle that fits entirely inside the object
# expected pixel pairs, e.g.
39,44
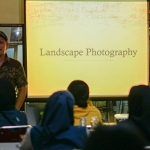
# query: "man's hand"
21,97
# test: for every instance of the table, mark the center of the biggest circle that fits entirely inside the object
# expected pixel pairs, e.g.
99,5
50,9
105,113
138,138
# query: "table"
9,146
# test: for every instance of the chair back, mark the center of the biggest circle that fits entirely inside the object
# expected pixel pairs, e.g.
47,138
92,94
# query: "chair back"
12,133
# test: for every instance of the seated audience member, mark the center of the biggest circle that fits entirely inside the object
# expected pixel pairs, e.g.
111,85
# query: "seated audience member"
9,115
56,130
131,134
83,106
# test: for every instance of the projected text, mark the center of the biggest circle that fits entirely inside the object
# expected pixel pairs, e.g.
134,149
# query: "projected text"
88,52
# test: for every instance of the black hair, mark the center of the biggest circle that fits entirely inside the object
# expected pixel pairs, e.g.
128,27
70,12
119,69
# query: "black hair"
80,91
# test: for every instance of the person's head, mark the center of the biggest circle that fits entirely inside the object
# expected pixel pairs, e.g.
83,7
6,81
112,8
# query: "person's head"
115,138
80,91
139,100
58,113
57,129
3,43
7,95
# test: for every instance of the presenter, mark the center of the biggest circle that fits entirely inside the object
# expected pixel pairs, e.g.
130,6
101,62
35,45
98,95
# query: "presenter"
12,70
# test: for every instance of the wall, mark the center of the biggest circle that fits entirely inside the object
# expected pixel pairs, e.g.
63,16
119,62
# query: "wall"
11,11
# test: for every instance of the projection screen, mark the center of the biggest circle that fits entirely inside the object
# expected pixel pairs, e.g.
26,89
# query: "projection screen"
104,43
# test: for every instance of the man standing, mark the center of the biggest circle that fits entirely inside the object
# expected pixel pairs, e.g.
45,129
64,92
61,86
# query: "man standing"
12,70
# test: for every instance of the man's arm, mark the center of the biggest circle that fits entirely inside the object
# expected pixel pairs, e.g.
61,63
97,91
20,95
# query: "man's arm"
21,96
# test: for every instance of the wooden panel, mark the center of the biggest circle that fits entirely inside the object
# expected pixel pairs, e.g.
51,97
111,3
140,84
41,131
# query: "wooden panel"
12,11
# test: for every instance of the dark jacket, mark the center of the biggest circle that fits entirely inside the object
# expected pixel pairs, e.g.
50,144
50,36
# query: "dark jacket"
9,115
12,117
132,134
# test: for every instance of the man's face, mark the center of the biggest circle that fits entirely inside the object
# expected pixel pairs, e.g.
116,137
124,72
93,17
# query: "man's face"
3,46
